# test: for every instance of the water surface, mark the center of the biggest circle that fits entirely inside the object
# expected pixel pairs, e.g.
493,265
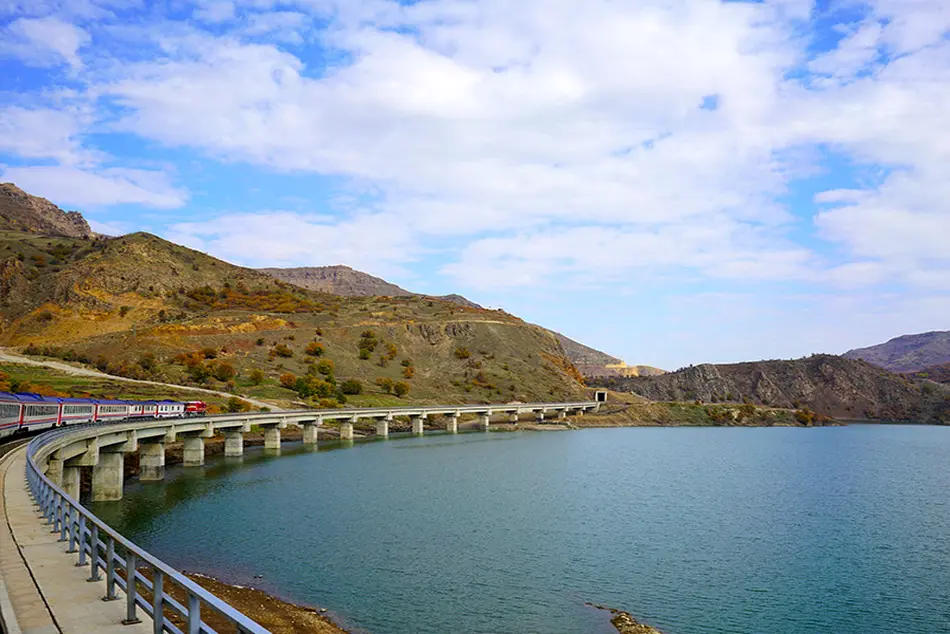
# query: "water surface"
694,530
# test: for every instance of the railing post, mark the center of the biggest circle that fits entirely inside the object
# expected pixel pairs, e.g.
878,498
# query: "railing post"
158,601
194,614
110,571
94,543
63,518
73,540
131,562
82,540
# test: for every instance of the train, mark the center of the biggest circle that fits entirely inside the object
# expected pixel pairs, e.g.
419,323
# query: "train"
25,411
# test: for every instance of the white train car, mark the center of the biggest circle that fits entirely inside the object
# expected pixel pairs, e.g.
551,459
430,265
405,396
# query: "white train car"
40,412
170,409
76,411
11,414
107,410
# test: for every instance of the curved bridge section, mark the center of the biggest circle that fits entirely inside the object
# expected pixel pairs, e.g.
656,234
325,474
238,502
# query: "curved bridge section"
173,602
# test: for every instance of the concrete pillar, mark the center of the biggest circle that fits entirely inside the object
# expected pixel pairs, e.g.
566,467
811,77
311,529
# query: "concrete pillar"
562,415
194,453
151,461
513,418
107,477
452,424
539,417
382,427
272,438
71,477
484,421
54,469
418,425
346,431
310,432
233,443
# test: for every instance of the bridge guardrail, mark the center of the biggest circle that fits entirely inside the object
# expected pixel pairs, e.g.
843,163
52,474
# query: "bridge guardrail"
108,553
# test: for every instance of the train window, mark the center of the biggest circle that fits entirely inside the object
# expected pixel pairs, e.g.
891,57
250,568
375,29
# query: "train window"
41,410
9,412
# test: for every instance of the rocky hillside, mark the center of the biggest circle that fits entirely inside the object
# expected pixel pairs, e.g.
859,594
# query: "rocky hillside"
337,280
830,385
20,211
348,282
936,373
143,307
584,355
908,353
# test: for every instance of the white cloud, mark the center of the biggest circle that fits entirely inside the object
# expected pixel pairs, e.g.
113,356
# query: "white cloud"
45,41
110,186
44,133
215,11
368,242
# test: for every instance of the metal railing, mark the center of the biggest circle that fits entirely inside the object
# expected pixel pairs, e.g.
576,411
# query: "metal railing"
125,566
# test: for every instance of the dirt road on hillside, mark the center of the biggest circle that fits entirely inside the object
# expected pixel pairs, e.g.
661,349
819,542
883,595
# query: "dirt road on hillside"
6,356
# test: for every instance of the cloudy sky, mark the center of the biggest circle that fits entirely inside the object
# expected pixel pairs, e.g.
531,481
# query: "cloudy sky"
672,181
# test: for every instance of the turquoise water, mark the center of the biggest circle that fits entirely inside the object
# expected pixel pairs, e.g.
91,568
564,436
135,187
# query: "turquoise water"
840,530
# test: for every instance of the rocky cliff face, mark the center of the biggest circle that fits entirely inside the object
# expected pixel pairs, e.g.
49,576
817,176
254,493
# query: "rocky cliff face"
830,385
908,353
20,211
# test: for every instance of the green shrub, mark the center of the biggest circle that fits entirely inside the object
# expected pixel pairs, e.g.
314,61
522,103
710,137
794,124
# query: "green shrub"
351,387
400,388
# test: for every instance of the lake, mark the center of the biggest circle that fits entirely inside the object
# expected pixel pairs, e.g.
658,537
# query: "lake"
838,530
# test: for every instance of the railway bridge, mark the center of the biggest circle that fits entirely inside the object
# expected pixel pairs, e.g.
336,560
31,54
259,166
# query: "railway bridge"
42,590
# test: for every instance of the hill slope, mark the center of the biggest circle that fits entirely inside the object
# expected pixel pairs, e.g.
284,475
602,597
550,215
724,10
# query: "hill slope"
20,211
143,307
348,282
829,385
908,353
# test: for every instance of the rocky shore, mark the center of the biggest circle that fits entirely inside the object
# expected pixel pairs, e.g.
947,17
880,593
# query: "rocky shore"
625,623
278,616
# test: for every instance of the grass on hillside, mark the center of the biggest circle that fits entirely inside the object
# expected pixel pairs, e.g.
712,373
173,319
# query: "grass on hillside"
28,378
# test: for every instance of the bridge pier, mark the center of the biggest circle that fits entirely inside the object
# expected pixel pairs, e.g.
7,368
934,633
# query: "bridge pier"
272,438
310,431
233,443
194,451
107,476
418,425
382,427
54,469
346,431
152,461
513,418
452,424
539,417
71,479
484,421
562,415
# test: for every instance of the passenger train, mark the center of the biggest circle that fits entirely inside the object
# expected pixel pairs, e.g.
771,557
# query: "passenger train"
26,411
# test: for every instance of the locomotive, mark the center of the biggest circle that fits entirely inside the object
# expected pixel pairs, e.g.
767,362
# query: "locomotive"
25,411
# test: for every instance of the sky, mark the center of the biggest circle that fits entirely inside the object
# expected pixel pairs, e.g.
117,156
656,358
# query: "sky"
671,181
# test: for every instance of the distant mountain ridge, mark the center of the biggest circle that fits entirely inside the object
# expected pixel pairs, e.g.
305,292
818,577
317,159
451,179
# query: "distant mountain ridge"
908,353
827,384
20,211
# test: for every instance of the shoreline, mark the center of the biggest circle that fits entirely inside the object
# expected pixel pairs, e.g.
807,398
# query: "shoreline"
275,614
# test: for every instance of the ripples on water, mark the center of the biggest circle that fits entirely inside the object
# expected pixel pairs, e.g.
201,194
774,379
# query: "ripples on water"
741,531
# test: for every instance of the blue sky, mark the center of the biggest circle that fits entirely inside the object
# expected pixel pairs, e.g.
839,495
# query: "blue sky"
673,181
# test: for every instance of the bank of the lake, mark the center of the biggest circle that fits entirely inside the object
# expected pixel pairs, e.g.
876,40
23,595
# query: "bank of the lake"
783,530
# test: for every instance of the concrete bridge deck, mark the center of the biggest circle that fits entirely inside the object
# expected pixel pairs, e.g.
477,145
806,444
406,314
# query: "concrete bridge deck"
43,590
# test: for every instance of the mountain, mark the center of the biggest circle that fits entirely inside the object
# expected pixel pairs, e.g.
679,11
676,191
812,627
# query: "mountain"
908,353
20,211
348,282
827,384
337,280
143,307
937,373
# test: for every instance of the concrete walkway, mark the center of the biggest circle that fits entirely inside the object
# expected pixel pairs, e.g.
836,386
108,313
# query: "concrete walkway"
41,583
